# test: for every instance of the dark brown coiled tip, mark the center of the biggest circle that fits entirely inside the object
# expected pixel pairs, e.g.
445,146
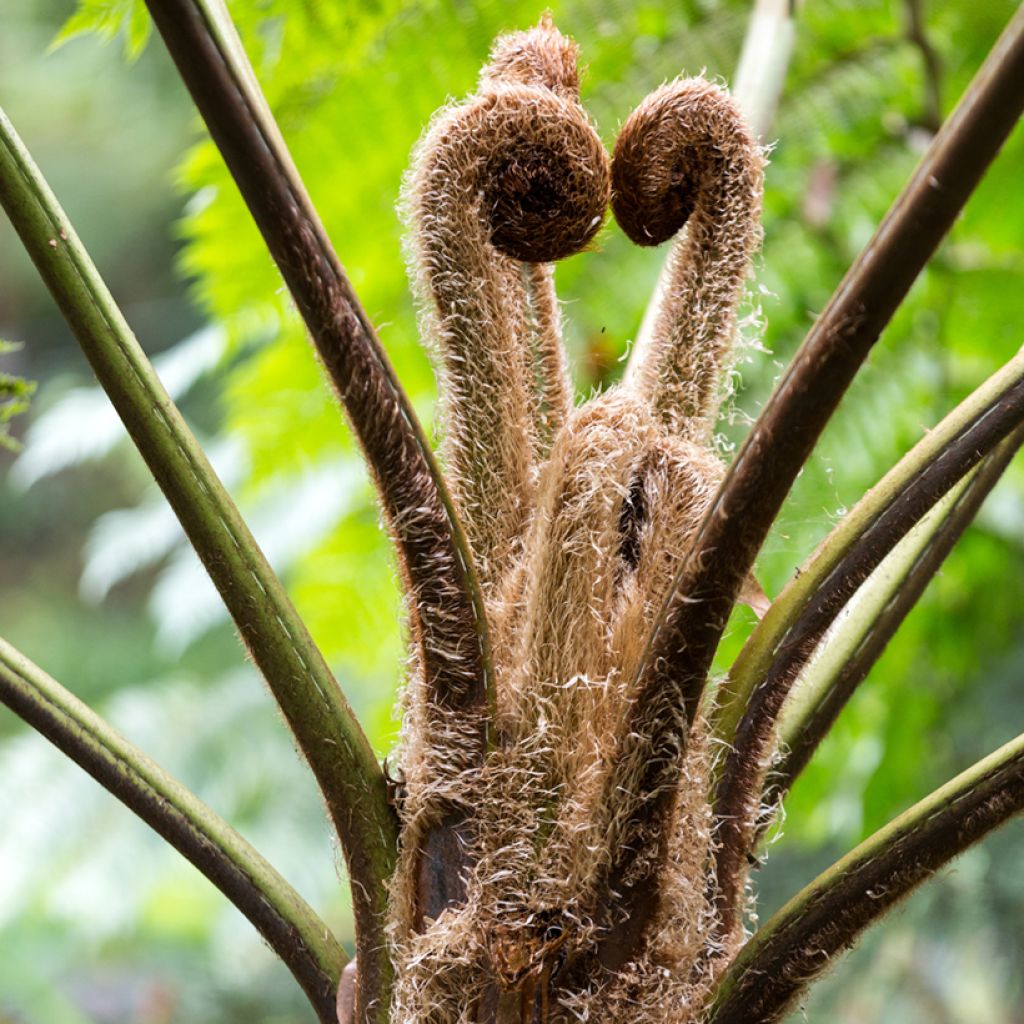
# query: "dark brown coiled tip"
546,181
650,207
675,143
654,185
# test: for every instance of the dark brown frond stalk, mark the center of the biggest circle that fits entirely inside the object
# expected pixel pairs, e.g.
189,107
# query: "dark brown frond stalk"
828,916
686,157
446,607
688,630
447,614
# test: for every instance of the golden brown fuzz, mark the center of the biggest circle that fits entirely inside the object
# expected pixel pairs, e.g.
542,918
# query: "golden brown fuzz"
578,520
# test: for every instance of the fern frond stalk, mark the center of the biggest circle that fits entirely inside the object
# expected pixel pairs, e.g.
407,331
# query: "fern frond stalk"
445,602
321,719
780,441
686,633
286,922
801,734
737,800
826,917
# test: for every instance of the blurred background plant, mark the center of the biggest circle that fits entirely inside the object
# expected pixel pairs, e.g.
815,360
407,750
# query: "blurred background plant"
99,922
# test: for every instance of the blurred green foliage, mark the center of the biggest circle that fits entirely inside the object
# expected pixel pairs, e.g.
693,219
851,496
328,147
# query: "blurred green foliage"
107,926
109,19
15,394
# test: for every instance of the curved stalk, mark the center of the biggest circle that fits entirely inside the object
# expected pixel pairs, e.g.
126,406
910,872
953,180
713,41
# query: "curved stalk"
687,166
888,597
827,917
764,644
502,185
690,625
760,76
287,923
324,725
737,799
447,613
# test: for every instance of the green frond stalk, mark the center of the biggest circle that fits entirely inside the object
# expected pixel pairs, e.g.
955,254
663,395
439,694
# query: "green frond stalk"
324,725
826,917
737,798
764,644
285,921
881,606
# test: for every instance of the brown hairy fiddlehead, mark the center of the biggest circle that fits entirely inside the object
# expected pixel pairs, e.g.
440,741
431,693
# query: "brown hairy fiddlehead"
568,874
502,184
685,157
516,175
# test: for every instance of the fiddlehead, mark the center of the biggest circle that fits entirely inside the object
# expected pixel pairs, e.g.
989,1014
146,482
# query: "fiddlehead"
516,175
686,157
581,822
512,179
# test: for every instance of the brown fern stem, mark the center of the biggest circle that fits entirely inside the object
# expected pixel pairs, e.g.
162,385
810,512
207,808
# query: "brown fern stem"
436,566
446,610
512,179
686,157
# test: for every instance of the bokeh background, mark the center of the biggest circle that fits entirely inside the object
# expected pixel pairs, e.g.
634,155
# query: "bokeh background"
98,922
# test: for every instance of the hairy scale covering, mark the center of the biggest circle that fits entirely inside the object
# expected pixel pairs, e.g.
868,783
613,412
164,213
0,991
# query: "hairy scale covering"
577,520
